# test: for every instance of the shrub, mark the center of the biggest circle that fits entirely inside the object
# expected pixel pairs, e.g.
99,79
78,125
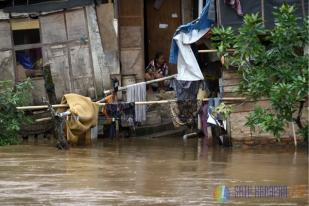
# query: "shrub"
273,65
12,96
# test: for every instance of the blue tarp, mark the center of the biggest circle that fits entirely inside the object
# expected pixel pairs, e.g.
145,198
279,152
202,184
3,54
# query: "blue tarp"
199,24
24,60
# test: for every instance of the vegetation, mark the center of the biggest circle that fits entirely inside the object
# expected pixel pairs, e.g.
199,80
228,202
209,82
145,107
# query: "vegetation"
273,65
10,119
223,110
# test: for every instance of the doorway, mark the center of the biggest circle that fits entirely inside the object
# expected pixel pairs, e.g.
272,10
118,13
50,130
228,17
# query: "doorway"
162,18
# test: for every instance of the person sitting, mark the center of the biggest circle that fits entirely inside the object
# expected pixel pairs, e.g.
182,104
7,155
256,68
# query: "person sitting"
156,69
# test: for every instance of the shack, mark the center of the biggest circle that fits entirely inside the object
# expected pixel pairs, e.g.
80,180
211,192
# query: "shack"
87,42
77,38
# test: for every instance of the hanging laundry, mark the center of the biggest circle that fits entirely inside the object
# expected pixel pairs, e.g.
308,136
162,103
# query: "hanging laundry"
112,111
236,5
185,90
217,120
79,129
212,103
187,109
175,115
127,111
181,51
183,112
137,93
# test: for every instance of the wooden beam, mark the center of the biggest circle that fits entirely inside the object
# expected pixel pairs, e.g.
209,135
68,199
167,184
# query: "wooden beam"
214,50
148,82
23,25
39,45
227,99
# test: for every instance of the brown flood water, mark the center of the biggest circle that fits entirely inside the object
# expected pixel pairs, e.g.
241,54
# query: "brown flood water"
163,171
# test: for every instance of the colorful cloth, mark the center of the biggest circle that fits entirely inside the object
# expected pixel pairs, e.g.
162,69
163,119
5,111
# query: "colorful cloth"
185,90
183,112
108,100
127,111
154,67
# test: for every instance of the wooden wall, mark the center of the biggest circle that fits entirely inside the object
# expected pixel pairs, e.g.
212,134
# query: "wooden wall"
6,52
106,17
66,47
241,110
131,37
80,44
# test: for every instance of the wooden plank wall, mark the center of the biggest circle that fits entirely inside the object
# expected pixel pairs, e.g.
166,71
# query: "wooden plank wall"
101,71
131,34
6,52
66,47
106,16
238,118
53,30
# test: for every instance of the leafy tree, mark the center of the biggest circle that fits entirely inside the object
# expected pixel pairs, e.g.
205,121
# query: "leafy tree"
10,119
273,65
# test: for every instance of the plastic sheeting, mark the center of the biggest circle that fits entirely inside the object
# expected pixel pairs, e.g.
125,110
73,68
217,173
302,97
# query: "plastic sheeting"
181,52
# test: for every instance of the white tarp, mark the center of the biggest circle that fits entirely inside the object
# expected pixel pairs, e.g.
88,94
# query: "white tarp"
187,65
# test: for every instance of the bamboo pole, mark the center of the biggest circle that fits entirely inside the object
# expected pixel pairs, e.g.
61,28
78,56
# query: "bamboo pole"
148,82
42,107
43,119
137,103
213,50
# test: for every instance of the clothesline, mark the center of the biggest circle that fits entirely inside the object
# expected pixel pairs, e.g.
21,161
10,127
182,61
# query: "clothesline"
164,78
136,103
148,82
213,50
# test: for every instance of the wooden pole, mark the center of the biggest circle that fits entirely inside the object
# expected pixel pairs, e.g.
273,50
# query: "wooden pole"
213,50
42,107
148,82
294,134
231,99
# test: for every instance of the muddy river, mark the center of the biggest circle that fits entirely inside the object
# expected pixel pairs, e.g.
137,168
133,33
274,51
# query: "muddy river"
165,171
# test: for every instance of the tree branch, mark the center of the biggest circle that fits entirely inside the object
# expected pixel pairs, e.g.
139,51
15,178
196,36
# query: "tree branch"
298,118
